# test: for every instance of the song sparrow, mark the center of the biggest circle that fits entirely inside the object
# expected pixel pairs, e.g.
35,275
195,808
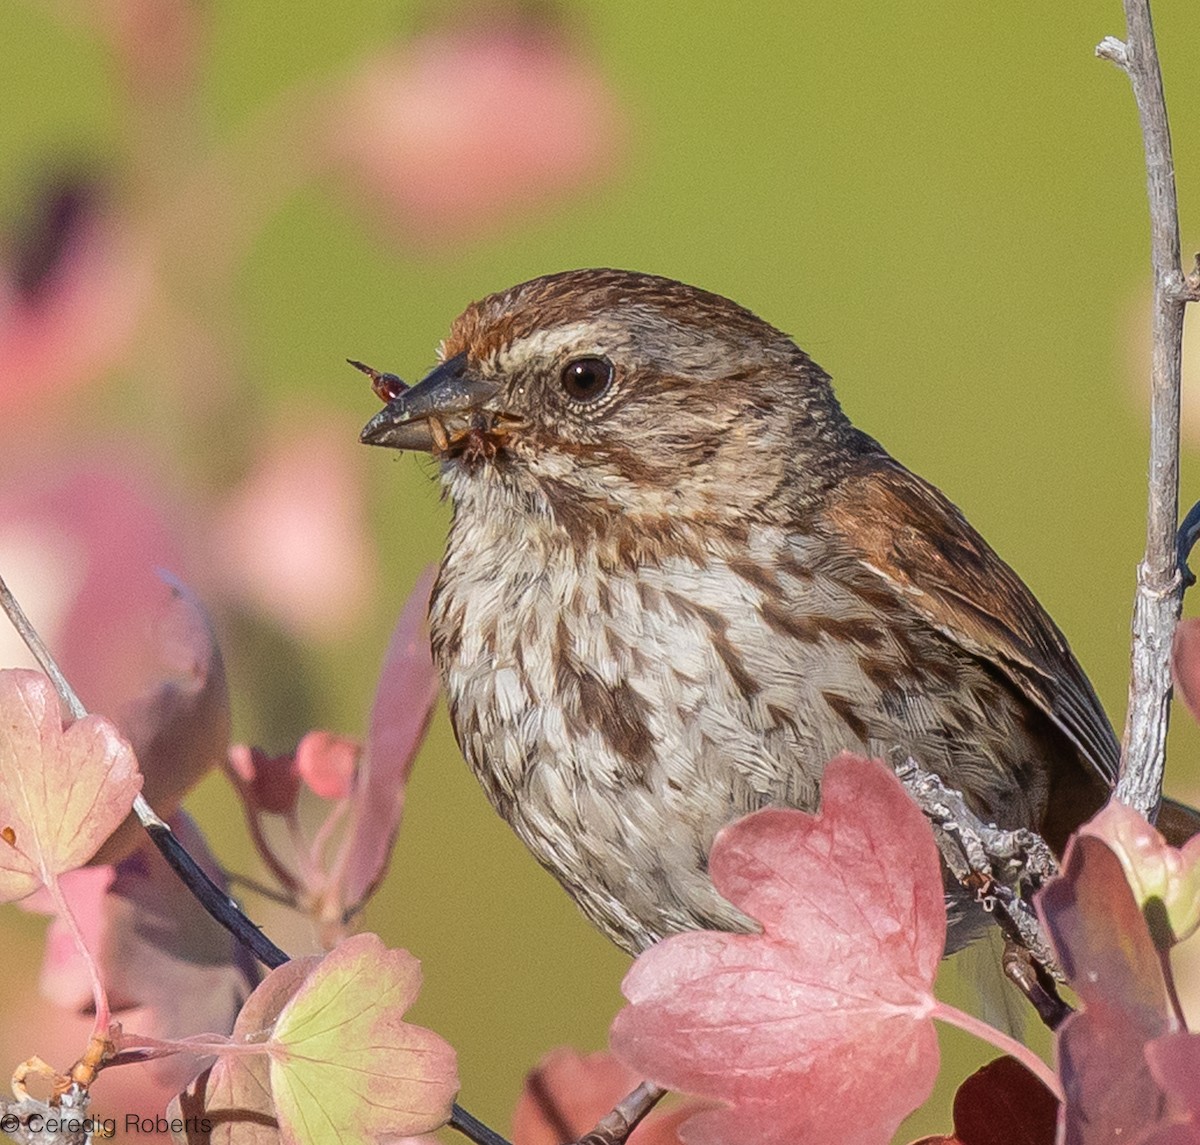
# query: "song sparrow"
678,581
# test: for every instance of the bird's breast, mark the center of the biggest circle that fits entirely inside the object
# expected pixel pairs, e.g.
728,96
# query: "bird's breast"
618,718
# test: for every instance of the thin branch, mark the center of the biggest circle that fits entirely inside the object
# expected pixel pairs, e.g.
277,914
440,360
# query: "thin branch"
614,1128
1160,583
210,896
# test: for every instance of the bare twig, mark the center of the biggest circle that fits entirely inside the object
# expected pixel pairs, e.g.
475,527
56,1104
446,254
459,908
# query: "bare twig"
1160,583
614,1128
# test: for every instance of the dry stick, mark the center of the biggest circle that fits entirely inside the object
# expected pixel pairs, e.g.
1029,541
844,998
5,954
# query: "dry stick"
210,896
1160,584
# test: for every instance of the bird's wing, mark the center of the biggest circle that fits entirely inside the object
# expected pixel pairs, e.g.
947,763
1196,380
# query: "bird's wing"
911,536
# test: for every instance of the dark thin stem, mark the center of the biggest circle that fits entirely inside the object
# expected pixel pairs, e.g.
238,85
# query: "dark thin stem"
1160,584
206,892
1185,541
214,899
474,1129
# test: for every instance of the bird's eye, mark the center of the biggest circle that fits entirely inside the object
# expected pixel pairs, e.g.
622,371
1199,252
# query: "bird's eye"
586,379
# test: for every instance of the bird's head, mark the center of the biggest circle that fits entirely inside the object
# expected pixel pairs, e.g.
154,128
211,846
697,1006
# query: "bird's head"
602,392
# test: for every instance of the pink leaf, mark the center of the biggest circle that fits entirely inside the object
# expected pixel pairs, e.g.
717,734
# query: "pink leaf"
62,792
1110,959
1164,879
134,642
234,1095
818,1028
400,715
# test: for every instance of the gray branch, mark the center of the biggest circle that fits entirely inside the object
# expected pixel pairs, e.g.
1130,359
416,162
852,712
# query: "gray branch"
1160,583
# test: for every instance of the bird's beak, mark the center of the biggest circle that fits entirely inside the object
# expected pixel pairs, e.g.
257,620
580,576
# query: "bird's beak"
435,413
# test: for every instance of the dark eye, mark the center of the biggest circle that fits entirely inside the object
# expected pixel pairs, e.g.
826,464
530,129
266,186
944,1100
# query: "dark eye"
587,379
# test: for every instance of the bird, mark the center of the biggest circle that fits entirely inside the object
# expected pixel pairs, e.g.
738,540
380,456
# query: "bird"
678,581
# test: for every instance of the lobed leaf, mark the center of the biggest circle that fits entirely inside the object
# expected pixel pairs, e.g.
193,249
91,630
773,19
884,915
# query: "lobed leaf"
818,1029
62,791
338,1063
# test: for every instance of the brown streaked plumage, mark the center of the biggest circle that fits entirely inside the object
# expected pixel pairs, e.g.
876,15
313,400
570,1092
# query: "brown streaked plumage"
678,581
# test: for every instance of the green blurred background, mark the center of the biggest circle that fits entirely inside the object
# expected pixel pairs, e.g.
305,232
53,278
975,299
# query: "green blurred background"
944,203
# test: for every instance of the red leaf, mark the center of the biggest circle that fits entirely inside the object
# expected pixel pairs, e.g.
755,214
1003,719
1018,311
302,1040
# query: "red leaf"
1004,1104
1105,949
817,1029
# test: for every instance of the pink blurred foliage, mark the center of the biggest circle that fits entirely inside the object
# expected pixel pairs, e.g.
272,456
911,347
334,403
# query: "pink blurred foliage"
73,290
155,43
292,539
83,539
567,1093
499,110
475,118
331,871
84,549
826,1013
